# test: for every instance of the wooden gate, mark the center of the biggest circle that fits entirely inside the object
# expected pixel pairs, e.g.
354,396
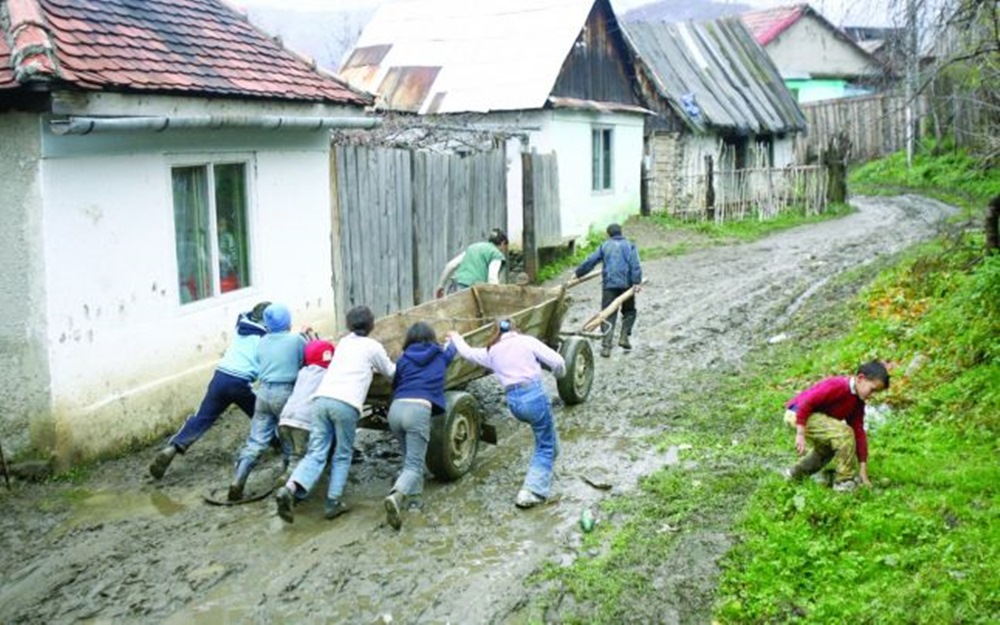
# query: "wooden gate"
399,215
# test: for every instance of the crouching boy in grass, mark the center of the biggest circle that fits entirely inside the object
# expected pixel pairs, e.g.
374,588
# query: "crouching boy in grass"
830,417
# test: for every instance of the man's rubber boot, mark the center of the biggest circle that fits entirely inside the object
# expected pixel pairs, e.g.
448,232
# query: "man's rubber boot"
627,323
162,460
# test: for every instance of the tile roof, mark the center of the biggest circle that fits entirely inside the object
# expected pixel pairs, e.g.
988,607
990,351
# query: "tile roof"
767,24
163,46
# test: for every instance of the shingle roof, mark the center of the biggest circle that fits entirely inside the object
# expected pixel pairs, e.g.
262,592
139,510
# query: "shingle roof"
714,75
163,46
447,56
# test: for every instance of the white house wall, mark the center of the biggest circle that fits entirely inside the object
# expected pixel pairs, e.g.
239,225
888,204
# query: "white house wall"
809,48
568,134
126,359
24,381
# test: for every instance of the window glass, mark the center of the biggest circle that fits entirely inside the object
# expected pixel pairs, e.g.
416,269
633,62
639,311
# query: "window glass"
602,161
211,229
230,219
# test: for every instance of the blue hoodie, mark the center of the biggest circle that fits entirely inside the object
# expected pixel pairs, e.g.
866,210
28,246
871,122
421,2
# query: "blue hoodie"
420,373
240,359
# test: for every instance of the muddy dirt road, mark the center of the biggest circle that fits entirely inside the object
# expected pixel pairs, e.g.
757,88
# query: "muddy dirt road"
116,546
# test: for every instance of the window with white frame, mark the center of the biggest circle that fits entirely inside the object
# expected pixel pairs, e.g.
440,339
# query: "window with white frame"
210,228
601,161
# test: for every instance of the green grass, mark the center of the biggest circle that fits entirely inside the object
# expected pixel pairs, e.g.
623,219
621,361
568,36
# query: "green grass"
751,229
922,546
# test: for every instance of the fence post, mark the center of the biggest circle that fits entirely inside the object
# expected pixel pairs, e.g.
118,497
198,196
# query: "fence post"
528,220
835,160
709,189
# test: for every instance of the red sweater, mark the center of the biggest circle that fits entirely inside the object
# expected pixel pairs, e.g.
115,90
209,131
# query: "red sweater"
834,398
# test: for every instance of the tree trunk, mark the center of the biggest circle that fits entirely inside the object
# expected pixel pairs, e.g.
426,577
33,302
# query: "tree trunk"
992,225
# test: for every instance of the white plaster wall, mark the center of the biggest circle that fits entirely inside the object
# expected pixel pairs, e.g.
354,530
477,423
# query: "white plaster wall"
24,378
127,360
808,47
784,151
568,134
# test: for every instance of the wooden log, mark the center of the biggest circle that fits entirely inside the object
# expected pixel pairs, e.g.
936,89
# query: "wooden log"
594,322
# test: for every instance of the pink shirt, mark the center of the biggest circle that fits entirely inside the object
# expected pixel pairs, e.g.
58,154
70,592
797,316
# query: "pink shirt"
834,397
516,357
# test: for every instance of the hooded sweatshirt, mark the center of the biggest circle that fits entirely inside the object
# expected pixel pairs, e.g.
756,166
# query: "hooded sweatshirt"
240,359
420,373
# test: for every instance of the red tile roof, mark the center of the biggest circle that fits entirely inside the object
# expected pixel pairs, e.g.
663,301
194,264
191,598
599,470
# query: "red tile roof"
164,46
767,24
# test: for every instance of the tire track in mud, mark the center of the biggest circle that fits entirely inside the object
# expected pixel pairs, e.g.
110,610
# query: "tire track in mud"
118,546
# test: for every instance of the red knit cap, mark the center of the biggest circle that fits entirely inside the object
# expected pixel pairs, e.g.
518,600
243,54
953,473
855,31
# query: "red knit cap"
319,352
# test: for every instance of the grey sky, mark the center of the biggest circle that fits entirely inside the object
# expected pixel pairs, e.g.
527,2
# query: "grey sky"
840,12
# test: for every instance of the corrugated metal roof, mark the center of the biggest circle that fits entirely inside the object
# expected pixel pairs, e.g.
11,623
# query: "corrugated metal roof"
715,76
492,54
163,46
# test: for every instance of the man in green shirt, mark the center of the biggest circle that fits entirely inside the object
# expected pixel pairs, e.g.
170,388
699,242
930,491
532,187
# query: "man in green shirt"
480,262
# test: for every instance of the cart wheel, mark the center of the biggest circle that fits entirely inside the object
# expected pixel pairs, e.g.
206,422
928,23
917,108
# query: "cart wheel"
574,387
454,437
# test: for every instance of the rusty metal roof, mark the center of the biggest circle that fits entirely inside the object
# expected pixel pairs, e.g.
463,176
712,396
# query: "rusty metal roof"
450,56
715,76
193,47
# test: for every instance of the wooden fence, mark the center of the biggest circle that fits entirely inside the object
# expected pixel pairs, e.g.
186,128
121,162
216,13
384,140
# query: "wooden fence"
875,125
400,215
540,197
756,193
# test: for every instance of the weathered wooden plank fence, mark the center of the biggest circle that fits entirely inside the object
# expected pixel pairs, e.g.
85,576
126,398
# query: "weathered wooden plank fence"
398,216
540,197
875,125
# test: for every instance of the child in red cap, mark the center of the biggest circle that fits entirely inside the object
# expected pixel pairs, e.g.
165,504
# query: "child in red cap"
296,419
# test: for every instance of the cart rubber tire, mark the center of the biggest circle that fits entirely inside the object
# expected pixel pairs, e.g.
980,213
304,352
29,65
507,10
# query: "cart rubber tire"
454,437
574,387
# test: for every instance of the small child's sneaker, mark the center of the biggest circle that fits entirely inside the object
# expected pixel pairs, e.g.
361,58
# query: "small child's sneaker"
528,499
845,486
392,509
334,508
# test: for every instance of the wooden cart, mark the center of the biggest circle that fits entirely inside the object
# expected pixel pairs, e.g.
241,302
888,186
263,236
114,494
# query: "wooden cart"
455,435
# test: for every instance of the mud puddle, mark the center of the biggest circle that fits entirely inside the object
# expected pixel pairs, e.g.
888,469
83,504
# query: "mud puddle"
118,547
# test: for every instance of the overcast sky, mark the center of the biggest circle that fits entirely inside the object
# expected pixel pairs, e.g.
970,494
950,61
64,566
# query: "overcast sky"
840,12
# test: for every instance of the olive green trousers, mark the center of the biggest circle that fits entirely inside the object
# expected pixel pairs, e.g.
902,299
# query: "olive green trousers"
830,439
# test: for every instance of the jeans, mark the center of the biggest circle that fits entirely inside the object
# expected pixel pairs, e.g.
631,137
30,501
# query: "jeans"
334,423
271,398
529,404
410,422
224,389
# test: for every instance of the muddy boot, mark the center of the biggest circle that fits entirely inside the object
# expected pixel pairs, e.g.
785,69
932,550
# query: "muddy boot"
285,501
162,460
811,463
393,503
606,344
236,488
627,323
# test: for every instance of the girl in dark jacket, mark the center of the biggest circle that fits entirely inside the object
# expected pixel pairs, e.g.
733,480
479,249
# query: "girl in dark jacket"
418,392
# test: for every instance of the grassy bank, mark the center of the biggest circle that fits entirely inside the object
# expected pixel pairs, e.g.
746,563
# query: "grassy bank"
922,546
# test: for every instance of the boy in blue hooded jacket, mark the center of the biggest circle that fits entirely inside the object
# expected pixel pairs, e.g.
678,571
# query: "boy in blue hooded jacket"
230,384
280,354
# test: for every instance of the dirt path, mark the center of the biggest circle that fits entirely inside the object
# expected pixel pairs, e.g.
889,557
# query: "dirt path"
116,546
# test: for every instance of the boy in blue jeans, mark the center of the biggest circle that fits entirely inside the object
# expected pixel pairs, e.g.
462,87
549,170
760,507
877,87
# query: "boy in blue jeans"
280,355
336,407
230,384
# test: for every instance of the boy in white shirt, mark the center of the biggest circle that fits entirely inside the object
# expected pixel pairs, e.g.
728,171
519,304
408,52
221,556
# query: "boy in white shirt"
336,407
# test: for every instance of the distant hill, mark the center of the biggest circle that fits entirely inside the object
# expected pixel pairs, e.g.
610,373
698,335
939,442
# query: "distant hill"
324,36
684,10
